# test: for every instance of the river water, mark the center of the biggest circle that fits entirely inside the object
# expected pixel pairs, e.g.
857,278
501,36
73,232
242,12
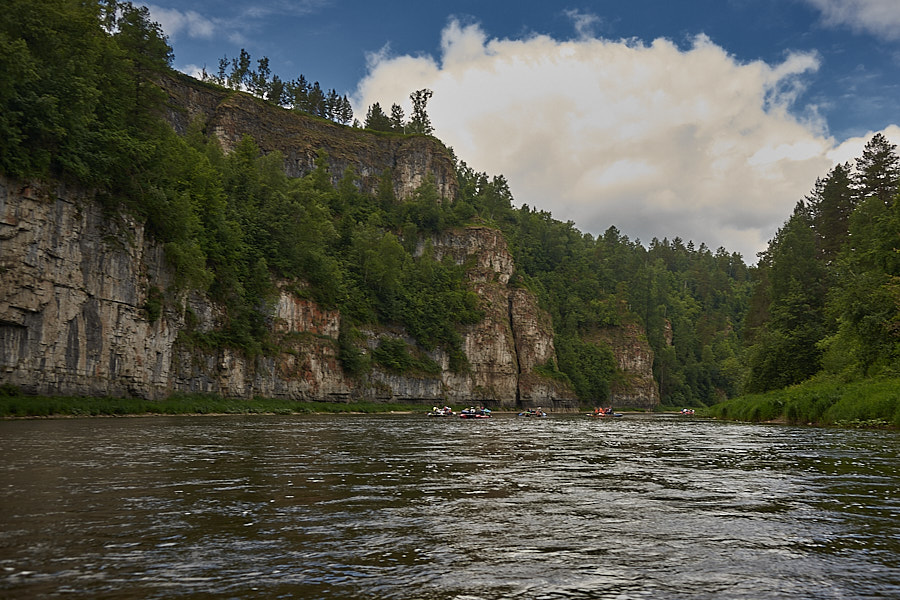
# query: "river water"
410,507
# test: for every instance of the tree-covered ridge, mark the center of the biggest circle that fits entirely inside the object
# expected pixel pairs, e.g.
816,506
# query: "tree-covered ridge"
301,95
232,224
74,91
297,94
829,293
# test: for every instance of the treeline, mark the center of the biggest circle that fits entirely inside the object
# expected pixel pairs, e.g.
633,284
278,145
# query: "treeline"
828,293
298,94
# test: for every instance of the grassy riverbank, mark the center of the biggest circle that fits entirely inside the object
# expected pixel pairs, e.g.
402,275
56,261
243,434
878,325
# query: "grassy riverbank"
16,405
868,403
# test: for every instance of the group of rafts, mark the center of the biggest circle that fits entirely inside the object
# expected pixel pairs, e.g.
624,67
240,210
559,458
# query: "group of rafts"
485,413
466,413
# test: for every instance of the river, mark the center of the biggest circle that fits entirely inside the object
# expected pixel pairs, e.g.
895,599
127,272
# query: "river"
411,507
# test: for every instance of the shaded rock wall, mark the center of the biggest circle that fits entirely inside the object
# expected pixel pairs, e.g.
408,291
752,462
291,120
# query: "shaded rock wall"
73,320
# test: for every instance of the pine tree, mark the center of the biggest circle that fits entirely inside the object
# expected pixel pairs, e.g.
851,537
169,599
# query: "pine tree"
878,170
787,348
397,118
317,100
832,203
377,120
344,113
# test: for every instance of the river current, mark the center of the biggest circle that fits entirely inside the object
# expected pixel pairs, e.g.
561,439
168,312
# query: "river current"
411,507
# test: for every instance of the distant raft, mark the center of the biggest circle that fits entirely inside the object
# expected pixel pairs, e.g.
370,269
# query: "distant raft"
531,412
441,412
475,413
604,413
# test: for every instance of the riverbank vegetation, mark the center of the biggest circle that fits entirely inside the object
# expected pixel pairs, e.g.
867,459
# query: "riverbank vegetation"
821,401
78,104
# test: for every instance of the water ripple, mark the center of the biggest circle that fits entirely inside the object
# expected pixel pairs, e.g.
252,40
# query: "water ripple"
405,507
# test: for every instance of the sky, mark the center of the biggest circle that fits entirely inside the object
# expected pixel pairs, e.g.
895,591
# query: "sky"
706,120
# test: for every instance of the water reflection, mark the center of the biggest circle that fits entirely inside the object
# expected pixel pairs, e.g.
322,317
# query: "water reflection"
401,506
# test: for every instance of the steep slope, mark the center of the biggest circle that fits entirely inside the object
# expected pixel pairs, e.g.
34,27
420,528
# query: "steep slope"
76,308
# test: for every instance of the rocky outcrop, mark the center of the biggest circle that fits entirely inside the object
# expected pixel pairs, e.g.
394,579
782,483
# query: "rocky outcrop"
635,385
74,319
229,115
74,284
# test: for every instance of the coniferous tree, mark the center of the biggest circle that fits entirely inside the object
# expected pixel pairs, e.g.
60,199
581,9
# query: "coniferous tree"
398,122
298,94
787,351
419,122
377,120
865,300
331,105
239,77
258,80
878,170
832,203
277,92
344,113
316,101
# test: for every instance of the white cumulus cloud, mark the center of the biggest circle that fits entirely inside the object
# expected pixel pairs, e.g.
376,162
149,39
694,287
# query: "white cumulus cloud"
658,140
878,17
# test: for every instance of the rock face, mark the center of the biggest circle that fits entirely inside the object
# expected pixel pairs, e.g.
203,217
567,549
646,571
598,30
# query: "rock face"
635,385
73,320
229,116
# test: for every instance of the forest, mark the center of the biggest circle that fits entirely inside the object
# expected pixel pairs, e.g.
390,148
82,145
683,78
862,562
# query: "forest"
78,104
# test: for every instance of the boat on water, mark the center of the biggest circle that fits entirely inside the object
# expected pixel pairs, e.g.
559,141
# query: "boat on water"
446,411
604,413
475,413
532,412
687,412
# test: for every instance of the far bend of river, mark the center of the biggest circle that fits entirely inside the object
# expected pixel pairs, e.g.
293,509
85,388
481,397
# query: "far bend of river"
410,507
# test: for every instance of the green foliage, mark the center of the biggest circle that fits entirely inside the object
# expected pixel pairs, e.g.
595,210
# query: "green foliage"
828,295
689,301
353,361
154,304
78,103
419,121
821,401
590,367
393,354
77,96
296,94
377,119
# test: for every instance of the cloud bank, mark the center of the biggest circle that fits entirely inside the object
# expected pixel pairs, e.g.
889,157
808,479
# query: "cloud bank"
657,140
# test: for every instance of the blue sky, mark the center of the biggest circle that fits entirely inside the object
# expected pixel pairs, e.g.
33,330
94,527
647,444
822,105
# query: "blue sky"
703,119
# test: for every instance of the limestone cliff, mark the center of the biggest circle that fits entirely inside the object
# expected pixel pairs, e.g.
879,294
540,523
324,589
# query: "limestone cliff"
73,320
634,385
